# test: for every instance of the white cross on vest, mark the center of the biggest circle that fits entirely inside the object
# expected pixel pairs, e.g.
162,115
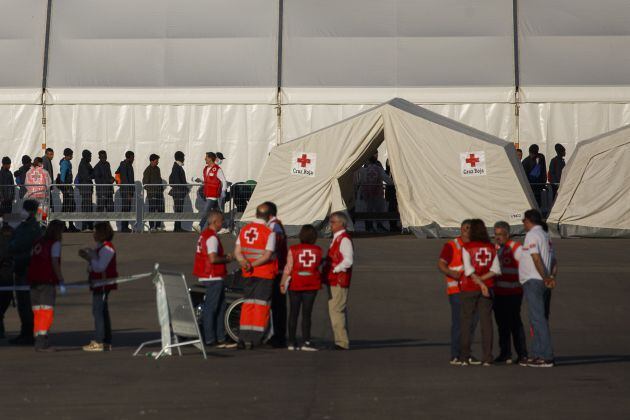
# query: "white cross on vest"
482,256
307,258
251,235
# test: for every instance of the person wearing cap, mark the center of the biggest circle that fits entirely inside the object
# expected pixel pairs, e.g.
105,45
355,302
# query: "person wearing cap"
214,185
179,187
152,180
65,178
7,187
85,180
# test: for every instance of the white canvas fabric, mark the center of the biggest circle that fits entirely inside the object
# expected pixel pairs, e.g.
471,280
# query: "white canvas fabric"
425,153
594,195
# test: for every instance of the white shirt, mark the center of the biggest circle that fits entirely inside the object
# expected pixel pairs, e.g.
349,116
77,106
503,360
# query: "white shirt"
55,250
469,269
271,240
103,257
345,247
537,241
212,244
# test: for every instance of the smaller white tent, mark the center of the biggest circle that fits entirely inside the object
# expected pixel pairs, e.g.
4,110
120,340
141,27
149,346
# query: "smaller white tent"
594,195
444,171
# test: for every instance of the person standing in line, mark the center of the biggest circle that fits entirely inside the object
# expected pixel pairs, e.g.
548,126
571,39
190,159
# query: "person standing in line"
224,185
44,275
556,166
179,187
302,279
38,182
214,186
85,179
47,164
152,179
536,171
255,252
65,178
338,273
481,265
519,154
508,297
278,299
537,273
104,180
20,174
451,265
7,187
371,178
211,270
128,188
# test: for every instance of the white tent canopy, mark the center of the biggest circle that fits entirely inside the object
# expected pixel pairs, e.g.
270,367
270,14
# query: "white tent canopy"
444,171
594,196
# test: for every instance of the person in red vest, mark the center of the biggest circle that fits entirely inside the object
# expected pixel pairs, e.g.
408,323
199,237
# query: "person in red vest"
44,275
101,267
338,273
278,299
214,186
508,296
302,279
481,265
211,269
255,252
451,265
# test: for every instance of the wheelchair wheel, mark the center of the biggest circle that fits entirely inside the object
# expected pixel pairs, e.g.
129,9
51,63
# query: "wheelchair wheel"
233,321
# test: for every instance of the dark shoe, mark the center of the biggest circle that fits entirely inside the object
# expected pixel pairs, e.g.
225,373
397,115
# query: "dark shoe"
240,345
249,345
541,363
42,344
125,230
523,361
338,347
22,340
503,359
73,229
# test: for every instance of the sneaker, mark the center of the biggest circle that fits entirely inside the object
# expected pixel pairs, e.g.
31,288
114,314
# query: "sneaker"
308,346
474,361
486,364
230,345
455,361
107,347
94,347
293,347
503,359
539,362
523,361
463,363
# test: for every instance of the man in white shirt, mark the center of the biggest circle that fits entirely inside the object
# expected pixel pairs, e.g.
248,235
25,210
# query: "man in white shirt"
536,271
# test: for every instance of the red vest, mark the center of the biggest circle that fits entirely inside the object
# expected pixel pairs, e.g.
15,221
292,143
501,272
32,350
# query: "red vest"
305,274
40,270
211,181
481,256
281,246
203,268
507,283
253,239
456,264
110,271
335,257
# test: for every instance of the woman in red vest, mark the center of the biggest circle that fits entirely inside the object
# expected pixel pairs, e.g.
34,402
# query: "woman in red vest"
44,275
302,277
102,267
480,266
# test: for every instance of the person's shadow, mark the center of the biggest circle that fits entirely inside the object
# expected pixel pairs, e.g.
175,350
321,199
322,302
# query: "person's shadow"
591,359
393,343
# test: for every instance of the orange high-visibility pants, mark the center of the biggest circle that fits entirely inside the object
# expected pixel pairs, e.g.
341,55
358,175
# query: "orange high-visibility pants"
42,303
255,310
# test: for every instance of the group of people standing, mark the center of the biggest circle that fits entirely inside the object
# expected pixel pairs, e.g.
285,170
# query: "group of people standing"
482,277
535,168
271,270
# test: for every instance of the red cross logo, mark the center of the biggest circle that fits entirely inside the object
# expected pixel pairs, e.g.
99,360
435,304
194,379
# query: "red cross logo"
307,258
472,160
482,256
304,160
251,235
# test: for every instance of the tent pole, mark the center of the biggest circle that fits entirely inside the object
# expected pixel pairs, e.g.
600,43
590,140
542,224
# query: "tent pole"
45,72
517,80
279,75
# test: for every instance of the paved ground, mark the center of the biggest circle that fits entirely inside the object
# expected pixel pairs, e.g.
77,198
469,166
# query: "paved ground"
397,369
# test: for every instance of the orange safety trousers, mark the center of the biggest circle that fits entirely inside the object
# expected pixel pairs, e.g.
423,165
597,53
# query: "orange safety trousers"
254,315
42,319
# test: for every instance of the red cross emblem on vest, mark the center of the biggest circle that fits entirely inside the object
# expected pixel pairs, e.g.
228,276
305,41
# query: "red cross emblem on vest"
303,160
251,235
307,258
472,160
482,256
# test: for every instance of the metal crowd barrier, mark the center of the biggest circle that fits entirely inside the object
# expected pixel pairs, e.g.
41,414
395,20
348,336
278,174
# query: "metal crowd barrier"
238,197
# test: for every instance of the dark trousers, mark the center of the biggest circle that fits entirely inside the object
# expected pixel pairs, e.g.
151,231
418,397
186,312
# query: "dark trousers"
214,312
279,314
68,205
5,301
305,300
85,191
25,311
104,199
178,207
156,205
507,313
255,309
6,207
456,317
473,303
102,323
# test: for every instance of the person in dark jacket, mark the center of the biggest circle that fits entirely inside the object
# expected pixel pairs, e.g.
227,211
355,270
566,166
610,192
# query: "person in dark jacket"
152,179
556,166
179,189
47,164
104,179
20,174
20,248
536,170
7,187
85,180
127,189
65,180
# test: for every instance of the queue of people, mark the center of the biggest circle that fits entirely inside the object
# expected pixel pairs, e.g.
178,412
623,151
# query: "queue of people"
484,277
537,172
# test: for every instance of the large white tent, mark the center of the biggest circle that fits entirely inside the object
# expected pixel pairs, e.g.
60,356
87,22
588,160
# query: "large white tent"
594,196
444,171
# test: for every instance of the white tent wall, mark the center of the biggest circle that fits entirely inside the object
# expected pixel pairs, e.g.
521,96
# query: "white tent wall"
20,131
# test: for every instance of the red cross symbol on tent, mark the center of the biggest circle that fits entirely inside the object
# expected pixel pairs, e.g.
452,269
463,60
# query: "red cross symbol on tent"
307,258
472,160
304,160
482,256
251,235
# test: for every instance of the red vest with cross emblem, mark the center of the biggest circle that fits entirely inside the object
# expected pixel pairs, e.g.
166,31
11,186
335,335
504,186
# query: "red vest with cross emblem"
40,269
211,181
305,273
253,239
203,268
111,272
335,257
507,283
481,256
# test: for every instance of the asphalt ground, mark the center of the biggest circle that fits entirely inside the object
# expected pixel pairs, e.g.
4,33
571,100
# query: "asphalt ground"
397,368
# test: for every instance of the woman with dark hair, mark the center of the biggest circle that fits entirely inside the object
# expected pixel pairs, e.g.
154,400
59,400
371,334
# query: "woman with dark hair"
302,279
480,266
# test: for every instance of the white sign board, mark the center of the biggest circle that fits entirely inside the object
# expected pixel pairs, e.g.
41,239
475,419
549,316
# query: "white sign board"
303,164
473,163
